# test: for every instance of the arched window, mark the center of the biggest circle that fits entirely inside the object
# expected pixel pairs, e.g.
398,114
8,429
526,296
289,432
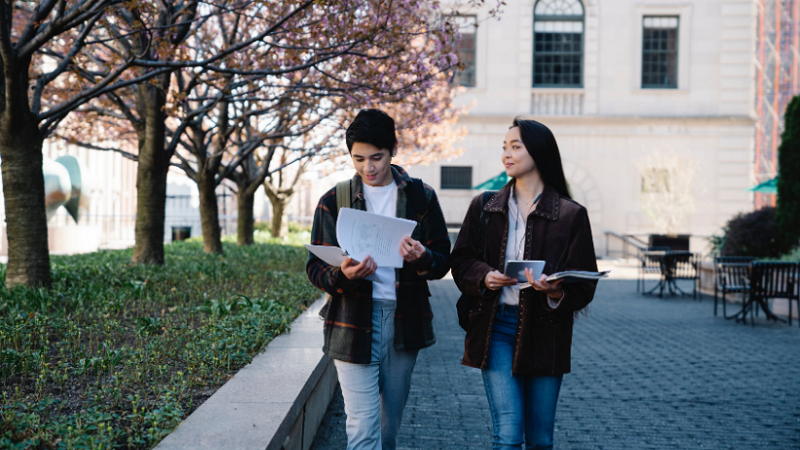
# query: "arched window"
558,43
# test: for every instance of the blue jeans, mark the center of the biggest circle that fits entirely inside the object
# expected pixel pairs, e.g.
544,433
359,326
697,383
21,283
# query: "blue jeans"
375,394
520,405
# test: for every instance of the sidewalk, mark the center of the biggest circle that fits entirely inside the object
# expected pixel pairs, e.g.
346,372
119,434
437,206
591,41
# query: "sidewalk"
647,373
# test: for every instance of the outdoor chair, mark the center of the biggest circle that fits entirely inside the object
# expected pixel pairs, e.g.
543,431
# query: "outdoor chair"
731,274
650,259
770,280
680,266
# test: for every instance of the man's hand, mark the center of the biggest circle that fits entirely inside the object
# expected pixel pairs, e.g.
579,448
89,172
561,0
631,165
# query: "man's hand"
355,270
553,290
495,280
411,250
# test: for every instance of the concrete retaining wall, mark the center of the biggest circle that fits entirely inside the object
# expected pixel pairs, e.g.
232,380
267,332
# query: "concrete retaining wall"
276,402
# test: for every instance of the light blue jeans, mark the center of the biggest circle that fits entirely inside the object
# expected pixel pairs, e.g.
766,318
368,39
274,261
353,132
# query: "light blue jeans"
375,394
520,405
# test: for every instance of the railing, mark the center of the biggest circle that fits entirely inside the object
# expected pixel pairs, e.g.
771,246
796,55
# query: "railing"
557,102
630,245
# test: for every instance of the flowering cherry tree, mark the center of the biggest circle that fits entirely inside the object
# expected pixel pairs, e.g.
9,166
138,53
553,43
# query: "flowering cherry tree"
328,58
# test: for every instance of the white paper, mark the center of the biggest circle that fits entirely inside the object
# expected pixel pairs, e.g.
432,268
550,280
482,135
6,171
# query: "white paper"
362,233
335,256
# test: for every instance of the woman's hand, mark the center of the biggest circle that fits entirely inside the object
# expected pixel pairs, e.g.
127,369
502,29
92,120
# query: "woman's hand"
495,280
553,290
411,250
354,270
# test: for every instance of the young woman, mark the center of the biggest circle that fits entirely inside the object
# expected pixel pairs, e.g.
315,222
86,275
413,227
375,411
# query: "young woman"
521,338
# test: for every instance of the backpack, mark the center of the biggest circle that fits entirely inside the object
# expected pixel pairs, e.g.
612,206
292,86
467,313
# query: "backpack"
344,200
467,302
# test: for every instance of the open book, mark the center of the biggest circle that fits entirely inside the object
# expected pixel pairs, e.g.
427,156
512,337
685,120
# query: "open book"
361,233
572,276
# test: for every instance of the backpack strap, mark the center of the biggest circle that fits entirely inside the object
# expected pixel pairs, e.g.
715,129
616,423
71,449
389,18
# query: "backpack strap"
483,224
343,199
417,197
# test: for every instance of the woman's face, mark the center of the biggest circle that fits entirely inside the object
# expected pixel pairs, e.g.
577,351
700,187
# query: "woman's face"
516,159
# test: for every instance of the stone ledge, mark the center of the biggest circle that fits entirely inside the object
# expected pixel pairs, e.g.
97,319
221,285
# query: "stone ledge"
276,402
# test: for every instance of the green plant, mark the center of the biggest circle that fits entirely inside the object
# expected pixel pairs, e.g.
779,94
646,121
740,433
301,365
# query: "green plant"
793,255
116,354
788,213
754,234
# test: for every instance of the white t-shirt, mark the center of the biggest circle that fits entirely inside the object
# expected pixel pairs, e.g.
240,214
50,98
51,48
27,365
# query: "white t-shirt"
382,200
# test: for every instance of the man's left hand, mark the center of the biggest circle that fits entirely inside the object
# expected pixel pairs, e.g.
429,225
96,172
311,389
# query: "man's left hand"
411,250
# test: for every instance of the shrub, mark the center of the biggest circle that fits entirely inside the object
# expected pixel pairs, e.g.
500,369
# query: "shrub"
793,255
788,213
754,234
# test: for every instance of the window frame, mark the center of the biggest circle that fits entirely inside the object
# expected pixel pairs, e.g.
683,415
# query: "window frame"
442,178
677,51
558,18
456,76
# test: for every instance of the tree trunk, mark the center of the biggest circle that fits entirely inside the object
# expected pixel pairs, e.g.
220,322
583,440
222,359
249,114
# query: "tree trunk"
23,189
209,212
244,226
278,210
151,176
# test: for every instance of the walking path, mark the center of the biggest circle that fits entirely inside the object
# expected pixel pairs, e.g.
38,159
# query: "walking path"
647,373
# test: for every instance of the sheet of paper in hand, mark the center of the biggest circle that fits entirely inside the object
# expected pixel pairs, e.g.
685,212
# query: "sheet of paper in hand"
361,233
335,256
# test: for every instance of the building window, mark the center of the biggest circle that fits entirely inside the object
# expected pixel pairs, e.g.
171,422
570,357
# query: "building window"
558,43
468,26
660,52
456,177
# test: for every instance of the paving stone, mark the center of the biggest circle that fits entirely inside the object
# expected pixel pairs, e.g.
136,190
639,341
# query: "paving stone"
647,373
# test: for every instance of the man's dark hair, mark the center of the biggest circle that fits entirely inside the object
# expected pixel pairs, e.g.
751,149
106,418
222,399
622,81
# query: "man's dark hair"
372,126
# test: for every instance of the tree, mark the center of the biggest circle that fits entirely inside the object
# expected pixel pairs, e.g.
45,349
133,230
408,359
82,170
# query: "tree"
368,59
371,52
45,42
788,206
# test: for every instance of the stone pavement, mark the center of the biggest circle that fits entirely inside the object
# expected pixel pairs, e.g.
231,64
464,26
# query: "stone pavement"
647,373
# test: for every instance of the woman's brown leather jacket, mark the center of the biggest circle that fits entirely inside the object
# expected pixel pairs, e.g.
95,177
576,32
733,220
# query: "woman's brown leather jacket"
558,232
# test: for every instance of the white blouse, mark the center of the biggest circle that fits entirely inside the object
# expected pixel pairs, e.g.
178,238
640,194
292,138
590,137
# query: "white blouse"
515,250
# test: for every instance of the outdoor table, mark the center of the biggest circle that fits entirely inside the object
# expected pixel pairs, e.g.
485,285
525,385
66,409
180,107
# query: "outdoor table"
667,261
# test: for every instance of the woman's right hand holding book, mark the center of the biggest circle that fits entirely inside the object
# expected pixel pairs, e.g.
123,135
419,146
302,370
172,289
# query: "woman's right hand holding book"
355,270
495,280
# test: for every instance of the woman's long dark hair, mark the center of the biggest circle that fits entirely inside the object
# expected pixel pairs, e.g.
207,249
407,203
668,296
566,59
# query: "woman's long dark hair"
542,146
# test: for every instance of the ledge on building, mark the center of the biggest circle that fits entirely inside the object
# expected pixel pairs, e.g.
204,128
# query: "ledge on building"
276,402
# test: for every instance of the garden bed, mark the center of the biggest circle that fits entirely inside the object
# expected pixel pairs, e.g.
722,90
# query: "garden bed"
117,354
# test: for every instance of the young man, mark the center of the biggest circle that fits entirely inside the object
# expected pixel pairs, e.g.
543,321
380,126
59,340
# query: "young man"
373,330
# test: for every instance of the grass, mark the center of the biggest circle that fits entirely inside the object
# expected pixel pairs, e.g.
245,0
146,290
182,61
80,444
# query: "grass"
115,355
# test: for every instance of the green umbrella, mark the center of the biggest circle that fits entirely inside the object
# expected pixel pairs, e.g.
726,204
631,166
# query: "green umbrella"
494,184
767,187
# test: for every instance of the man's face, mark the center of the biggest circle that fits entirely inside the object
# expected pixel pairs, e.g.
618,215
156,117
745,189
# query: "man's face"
373,164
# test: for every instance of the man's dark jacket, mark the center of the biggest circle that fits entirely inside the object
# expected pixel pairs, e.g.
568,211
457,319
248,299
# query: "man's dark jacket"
348,322
558,232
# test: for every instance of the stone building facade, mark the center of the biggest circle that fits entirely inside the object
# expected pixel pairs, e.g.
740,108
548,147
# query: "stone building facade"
615,81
